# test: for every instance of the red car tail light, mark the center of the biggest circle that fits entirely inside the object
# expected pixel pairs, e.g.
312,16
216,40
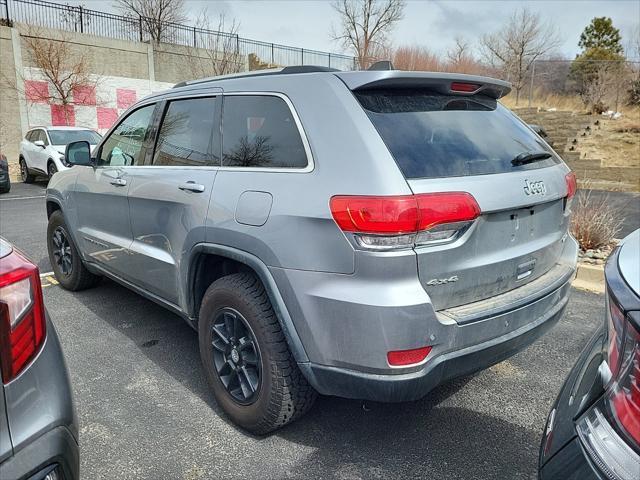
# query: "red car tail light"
405,220
572,184
624,397
22,319
615,327
403,358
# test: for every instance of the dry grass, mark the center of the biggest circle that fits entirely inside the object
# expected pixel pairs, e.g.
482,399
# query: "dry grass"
594,222
615,142
544,101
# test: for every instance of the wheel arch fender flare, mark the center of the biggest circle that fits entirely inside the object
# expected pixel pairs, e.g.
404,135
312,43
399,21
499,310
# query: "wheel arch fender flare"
54,203
263,273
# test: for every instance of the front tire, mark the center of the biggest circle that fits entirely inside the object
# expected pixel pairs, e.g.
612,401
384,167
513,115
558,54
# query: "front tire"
65,258
252,373
51,169
25,175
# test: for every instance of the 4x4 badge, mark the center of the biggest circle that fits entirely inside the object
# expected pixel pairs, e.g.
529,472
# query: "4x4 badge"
535,188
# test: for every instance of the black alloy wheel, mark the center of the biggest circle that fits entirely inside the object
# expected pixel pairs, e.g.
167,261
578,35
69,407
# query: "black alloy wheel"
236,356
62,251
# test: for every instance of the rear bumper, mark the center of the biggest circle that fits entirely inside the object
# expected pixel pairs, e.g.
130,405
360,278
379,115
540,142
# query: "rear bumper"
414,385
56,447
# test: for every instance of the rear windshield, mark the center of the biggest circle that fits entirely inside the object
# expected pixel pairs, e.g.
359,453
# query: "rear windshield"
431,135
63,137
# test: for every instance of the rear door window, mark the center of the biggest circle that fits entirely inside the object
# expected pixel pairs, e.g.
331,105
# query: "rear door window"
432,135
188,134
260,131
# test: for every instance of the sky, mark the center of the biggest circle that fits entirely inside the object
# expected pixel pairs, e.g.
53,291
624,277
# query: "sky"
432,23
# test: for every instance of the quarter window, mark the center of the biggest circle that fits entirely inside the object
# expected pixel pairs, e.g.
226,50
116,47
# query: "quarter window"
125,145
187,135
260,131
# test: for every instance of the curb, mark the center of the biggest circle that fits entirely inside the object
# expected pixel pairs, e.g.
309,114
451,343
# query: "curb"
590,278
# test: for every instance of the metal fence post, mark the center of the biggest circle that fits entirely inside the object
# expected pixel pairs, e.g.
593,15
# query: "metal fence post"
6,11
533,73
194,37
81,22
329,60
140,27
272,56
302,55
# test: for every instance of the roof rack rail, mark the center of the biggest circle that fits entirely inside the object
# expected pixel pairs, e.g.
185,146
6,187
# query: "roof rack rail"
257,73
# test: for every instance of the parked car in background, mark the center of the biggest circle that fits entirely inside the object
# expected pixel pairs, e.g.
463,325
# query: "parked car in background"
38,426
42,149
593,430
372,240
5,181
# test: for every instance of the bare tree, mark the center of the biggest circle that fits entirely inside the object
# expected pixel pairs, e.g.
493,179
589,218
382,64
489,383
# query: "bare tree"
365,26
416,58
459,52
460,59
514,48
217,51
155,15
66,71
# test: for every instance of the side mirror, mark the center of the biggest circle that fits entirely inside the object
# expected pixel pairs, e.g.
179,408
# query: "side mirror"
39,143
78,153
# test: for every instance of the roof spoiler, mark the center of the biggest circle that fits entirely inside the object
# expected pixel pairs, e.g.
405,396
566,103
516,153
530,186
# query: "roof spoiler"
445,83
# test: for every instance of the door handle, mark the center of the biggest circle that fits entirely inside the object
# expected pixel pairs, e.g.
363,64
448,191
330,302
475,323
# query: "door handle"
118,182
191,186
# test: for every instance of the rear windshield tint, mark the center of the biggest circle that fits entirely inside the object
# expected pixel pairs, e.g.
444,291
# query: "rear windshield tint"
432,135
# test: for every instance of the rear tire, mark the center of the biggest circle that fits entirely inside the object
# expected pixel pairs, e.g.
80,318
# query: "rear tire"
27,177
65,257
282,394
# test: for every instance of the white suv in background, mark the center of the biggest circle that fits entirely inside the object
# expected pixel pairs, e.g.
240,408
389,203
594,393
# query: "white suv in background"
42,149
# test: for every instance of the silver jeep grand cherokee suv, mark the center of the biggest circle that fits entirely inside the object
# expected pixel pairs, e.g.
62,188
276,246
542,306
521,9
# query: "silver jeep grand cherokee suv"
360,234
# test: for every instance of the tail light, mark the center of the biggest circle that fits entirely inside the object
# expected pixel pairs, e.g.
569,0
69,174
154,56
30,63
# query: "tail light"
572,187
624,389
464,87
390,222
22,320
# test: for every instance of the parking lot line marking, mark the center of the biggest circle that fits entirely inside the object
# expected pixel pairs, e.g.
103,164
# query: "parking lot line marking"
20,198
46,274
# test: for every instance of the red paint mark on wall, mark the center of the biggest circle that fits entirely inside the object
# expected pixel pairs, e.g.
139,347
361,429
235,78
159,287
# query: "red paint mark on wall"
125,97
59,118
106,117
36,91
84,95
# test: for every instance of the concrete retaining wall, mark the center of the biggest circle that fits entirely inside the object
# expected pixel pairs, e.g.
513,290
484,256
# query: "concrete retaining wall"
121,66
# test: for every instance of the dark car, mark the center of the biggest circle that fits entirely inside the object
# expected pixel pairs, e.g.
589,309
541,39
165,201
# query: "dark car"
5,182
593,430
38,426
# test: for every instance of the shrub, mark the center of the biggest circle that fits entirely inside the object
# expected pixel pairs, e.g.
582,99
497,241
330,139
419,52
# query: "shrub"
595,222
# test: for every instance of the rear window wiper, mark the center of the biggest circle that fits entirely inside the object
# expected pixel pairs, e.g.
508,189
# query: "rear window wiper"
529,157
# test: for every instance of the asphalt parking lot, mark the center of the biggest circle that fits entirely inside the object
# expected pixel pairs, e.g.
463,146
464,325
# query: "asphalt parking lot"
145,410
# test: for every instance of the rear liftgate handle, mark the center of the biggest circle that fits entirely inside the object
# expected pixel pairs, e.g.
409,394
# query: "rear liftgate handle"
191,186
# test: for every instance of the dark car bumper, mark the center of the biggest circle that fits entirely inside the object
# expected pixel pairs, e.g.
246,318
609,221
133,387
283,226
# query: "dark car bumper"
412,386
56,448
582,439
5,182
561,454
